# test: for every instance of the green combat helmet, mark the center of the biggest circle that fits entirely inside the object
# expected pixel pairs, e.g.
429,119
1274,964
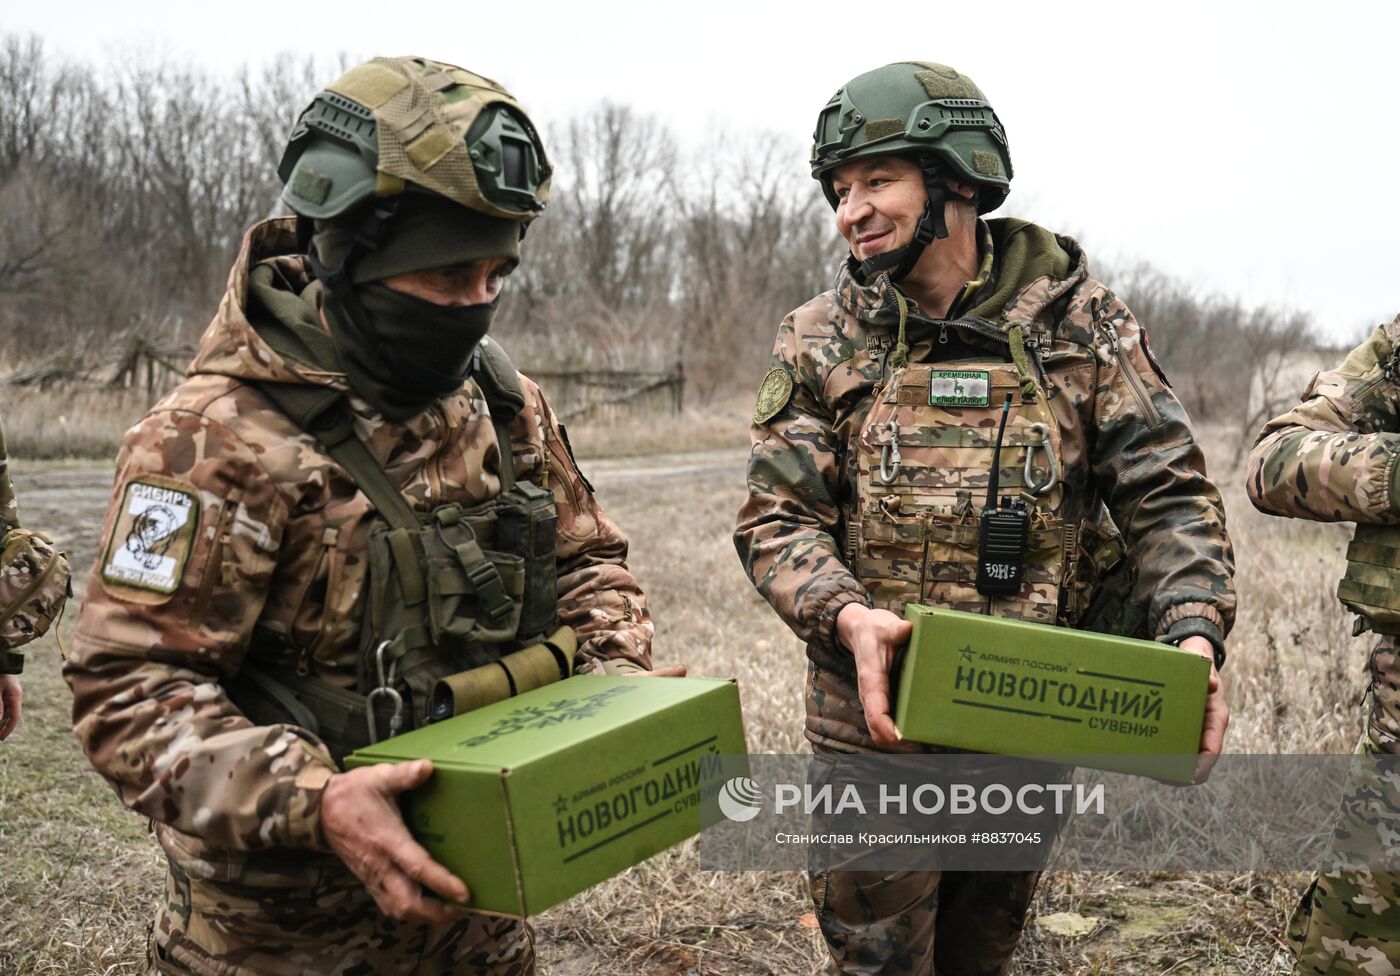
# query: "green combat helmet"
397,125
398,143
398,130
927,111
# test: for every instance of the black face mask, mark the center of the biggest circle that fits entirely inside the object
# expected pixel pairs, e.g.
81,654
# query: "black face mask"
410,352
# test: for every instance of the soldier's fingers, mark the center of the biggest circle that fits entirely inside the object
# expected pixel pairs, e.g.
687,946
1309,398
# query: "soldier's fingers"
400,897
11,705
873,684
398,777
1217,720
1205,762
419,865
893,636
674,671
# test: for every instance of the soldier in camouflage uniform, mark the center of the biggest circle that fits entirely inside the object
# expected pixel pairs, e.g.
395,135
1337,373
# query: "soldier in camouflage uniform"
1332,458
871,454
235,545
11,663
34,588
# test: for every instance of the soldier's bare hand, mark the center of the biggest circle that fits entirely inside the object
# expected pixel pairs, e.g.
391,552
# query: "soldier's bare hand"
1217,718
361,821
874,638
11,703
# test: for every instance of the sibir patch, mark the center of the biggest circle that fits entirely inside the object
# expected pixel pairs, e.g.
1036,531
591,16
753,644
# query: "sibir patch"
959,387
152,538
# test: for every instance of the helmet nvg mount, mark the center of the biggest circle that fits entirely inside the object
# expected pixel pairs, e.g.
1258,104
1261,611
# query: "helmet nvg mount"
931,113
397,125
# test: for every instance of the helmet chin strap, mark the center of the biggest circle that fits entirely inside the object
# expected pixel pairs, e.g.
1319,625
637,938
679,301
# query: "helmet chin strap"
931,226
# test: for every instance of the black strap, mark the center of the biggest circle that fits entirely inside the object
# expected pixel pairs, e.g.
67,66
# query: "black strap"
932,226
500,385
322,413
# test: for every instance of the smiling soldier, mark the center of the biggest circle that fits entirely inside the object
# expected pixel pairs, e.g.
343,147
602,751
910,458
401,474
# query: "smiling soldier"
872,450
351,495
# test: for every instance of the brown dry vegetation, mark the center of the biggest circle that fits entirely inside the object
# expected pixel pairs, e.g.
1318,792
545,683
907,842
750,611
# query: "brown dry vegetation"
80,874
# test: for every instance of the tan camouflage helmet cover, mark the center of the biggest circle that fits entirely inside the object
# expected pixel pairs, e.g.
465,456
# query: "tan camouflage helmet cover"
392,124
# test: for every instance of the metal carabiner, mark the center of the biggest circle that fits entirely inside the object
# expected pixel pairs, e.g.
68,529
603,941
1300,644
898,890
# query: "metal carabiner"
1044,445
890,452
384,690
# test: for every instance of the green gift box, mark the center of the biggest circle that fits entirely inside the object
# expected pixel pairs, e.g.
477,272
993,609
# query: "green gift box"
1010,687
538,797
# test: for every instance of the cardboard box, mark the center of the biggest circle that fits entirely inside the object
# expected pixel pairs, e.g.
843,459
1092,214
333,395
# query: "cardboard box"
541,796
989,684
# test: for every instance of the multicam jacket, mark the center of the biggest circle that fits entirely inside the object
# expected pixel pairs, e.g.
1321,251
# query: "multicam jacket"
835,515
229,529
1333,457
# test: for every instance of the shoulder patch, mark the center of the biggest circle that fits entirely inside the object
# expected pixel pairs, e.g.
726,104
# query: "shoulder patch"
773,395
153,535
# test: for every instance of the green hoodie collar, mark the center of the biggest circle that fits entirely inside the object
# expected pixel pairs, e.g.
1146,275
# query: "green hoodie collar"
1024,268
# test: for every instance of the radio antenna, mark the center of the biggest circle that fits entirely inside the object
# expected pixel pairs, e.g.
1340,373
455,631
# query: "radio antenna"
994,480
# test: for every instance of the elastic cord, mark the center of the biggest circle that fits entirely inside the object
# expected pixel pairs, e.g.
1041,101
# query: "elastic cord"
900,359
1017,339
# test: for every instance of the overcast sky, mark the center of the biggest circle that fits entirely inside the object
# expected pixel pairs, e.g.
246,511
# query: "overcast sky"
1250,147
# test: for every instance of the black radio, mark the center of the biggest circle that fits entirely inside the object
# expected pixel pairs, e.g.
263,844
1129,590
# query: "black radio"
1005,532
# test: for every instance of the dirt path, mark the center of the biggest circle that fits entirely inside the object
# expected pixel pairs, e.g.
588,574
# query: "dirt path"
68,501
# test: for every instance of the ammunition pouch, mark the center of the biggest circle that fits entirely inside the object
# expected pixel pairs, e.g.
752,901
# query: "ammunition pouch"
1371,585
451,594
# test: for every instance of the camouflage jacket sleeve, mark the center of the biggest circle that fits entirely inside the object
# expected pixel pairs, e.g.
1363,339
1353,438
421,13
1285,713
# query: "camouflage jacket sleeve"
11,661
189,547
788,526
9,512
1333,457
1151,474
598,595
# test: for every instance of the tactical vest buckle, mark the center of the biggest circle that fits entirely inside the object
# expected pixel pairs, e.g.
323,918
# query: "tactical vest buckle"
487,585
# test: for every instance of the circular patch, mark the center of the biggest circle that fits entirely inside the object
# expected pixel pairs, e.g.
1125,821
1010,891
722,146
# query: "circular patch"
773,395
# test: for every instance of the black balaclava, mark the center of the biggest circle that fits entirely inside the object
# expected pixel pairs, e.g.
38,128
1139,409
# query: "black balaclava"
399,352
414,351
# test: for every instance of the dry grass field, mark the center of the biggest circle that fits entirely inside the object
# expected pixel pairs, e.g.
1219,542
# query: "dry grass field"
78,873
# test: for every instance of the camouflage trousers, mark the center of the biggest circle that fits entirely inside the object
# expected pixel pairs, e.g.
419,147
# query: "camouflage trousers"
1348,921
330,928
917,923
